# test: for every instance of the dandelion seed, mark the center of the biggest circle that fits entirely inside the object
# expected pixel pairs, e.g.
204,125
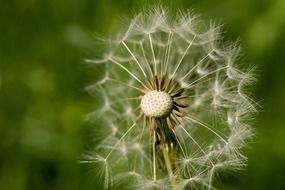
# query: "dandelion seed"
173,99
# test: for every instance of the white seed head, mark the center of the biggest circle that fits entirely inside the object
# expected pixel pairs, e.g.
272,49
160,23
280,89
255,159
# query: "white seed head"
156,103
159,50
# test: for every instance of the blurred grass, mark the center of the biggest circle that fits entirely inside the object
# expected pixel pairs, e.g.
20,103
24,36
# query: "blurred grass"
42,80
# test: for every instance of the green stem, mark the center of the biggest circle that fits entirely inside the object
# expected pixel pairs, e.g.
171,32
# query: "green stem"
165,152
153,154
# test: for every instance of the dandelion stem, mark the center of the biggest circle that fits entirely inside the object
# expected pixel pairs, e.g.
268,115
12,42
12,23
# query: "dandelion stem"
165,152
154,157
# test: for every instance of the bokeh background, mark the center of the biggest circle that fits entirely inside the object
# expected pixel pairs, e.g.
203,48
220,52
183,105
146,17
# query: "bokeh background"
42,80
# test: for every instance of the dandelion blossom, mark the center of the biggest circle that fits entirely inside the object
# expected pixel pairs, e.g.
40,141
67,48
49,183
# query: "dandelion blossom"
171,109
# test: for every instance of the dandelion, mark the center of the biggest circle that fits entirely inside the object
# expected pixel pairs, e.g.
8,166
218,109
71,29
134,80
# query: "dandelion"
171,108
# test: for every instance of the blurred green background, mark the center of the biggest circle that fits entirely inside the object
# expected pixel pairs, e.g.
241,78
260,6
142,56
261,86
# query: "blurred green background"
42,80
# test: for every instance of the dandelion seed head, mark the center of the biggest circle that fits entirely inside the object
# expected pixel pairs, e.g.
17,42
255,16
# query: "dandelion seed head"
173,100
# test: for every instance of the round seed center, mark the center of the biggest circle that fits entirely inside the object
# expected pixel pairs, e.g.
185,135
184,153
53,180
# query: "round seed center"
156,103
